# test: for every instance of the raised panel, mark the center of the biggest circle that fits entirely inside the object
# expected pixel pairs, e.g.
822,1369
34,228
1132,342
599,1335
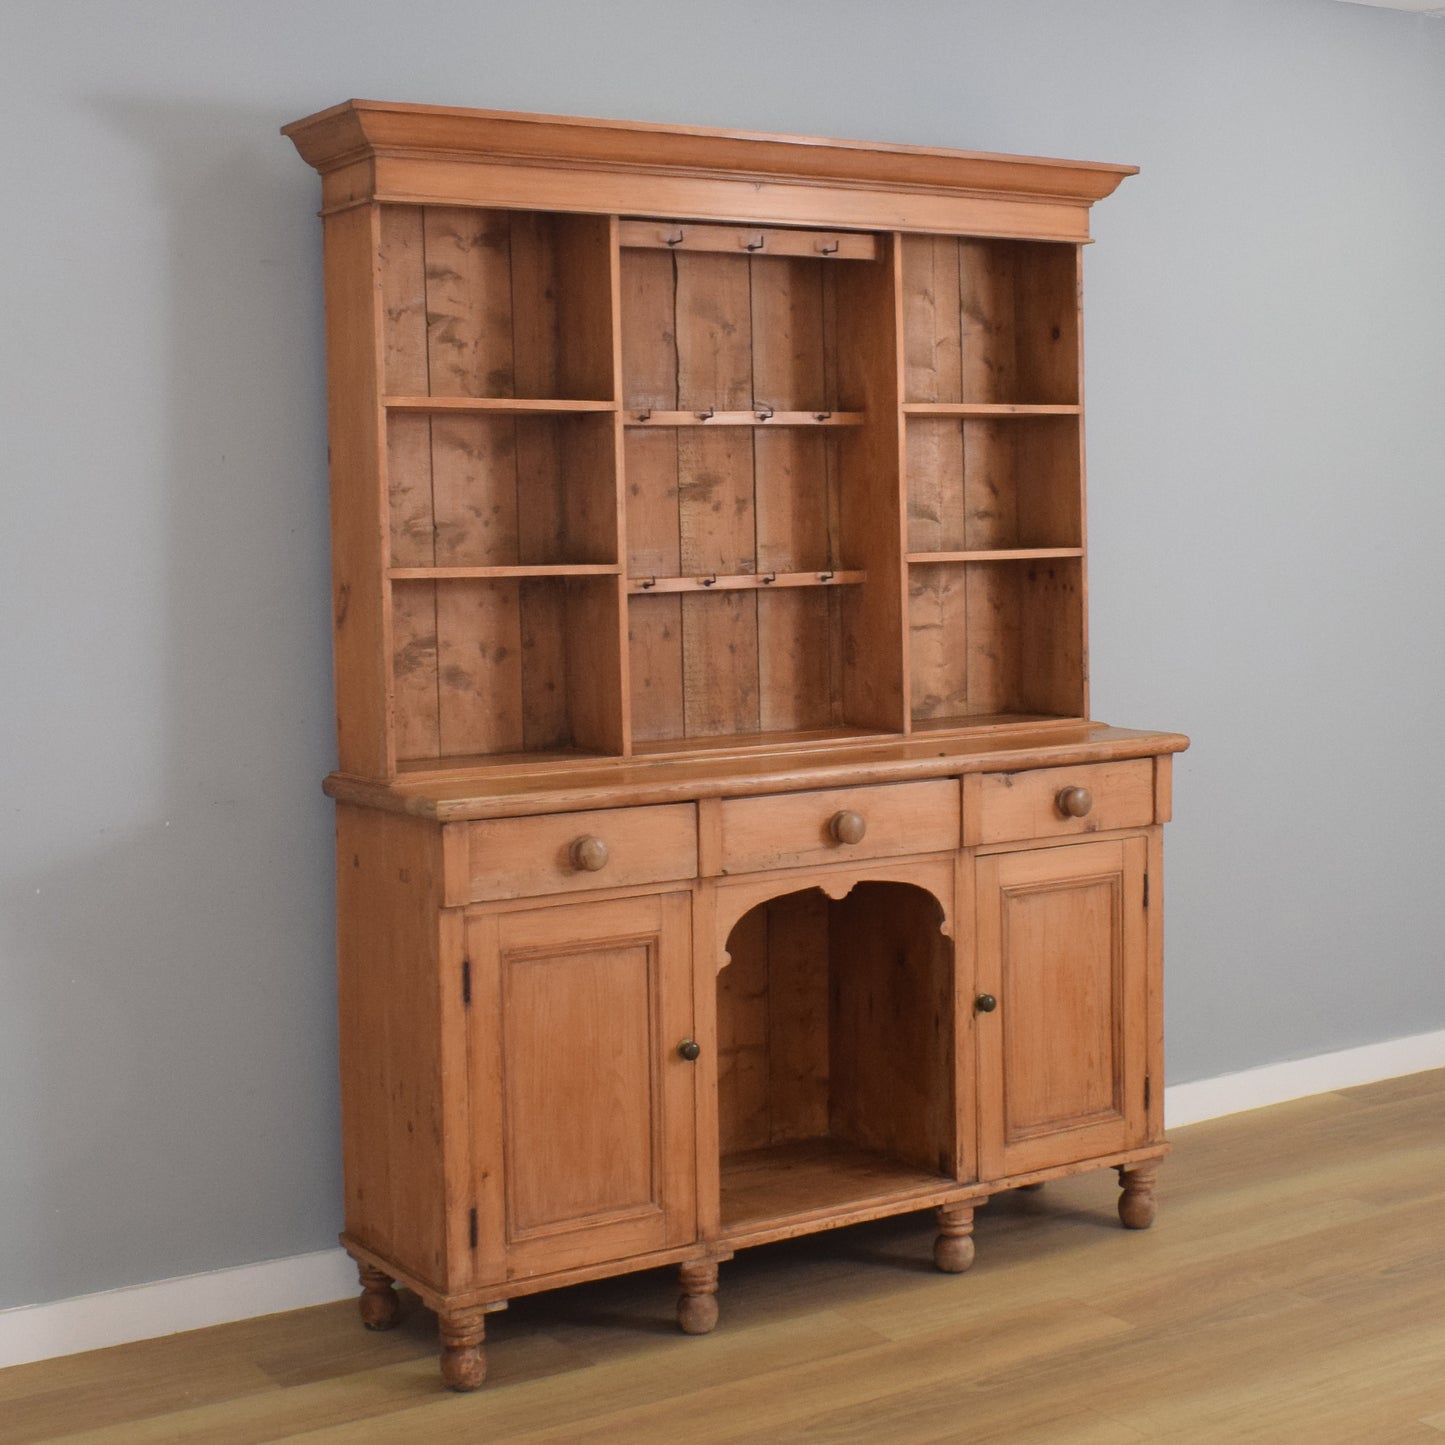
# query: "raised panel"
1062,968
583,1108
578,1025
1062,948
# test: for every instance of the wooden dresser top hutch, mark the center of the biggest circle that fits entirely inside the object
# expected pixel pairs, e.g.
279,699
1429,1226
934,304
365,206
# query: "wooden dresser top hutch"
725,850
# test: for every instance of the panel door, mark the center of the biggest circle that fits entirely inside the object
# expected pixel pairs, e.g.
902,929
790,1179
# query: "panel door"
1063,952
582,1107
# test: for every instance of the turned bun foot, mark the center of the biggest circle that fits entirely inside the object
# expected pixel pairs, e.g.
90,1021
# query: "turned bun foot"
379,1304
953,1249
1137,1207
697,1309
463,1358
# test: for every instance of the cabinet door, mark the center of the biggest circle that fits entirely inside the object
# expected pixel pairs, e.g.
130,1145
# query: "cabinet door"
1062,948
582,1108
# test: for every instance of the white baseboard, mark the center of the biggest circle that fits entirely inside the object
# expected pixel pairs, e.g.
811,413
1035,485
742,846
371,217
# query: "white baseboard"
167,1306
1298,1078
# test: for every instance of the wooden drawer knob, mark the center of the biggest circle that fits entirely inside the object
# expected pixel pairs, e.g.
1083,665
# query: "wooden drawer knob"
848,827
1075,802
589,854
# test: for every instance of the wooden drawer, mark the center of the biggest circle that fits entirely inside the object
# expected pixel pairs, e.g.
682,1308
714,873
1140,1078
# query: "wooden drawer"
785,830
1010,807
526,857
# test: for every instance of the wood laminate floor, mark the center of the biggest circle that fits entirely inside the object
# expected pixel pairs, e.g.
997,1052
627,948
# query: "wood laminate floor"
1293,1290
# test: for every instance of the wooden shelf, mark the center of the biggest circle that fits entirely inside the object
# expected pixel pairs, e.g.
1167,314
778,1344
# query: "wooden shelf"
742,581
1001,554
760,417
441,574
991,722
794,1188
799,739
986,409
496,405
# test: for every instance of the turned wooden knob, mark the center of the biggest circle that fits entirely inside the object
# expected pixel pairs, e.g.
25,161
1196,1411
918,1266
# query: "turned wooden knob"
848,827
589,854
1075,802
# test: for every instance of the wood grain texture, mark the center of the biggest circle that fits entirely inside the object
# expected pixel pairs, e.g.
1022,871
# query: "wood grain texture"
795,830
526,857
398,1050
1012,806
360,611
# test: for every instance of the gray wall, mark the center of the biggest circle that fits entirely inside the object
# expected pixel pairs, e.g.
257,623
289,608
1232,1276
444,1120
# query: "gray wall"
1266,313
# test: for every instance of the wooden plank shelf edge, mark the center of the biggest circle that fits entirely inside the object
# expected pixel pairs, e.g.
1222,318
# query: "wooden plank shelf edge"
497,405
989,409
1001,554
742,581
443,574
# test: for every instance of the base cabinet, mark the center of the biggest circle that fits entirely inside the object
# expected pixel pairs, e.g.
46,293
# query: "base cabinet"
622,1078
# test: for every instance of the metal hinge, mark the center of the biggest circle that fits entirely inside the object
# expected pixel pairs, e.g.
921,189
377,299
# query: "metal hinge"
1146,888
466,982
472,1227
1148,1096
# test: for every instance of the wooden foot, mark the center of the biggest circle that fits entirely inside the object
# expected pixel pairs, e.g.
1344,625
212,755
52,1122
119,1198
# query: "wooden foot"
464,1361
953,1249
1136,1204
697,1309
379,1304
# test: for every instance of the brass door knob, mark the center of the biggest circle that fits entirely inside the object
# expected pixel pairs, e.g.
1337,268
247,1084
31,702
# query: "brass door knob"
1075,802
985,1003
848,827
589,853
689,1049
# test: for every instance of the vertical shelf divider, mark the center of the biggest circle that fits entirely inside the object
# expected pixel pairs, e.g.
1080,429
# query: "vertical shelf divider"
623,744
870,367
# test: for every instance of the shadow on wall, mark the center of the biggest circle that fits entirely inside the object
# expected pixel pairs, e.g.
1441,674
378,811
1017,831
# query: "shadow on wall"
174,999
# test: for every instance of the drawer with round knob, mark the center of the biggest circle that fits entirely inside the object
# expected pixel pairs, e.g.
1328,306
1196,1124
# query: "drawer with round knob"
1057,802
786,830
565,852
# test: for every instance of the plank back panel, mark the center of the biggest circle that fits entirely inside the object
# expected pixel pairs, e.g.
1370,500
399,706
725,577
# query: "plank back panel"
892,980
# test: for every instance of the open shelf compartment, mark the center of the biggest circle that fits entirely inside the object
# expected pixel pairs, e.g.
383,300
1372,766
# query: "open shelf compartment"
473,489
994,639
492,667
979,484
835,1057
991,321
494,303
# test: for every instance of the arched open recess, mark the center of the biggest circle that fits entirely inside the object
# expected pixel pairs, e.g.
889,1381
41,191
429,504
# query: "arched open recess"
836,1067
